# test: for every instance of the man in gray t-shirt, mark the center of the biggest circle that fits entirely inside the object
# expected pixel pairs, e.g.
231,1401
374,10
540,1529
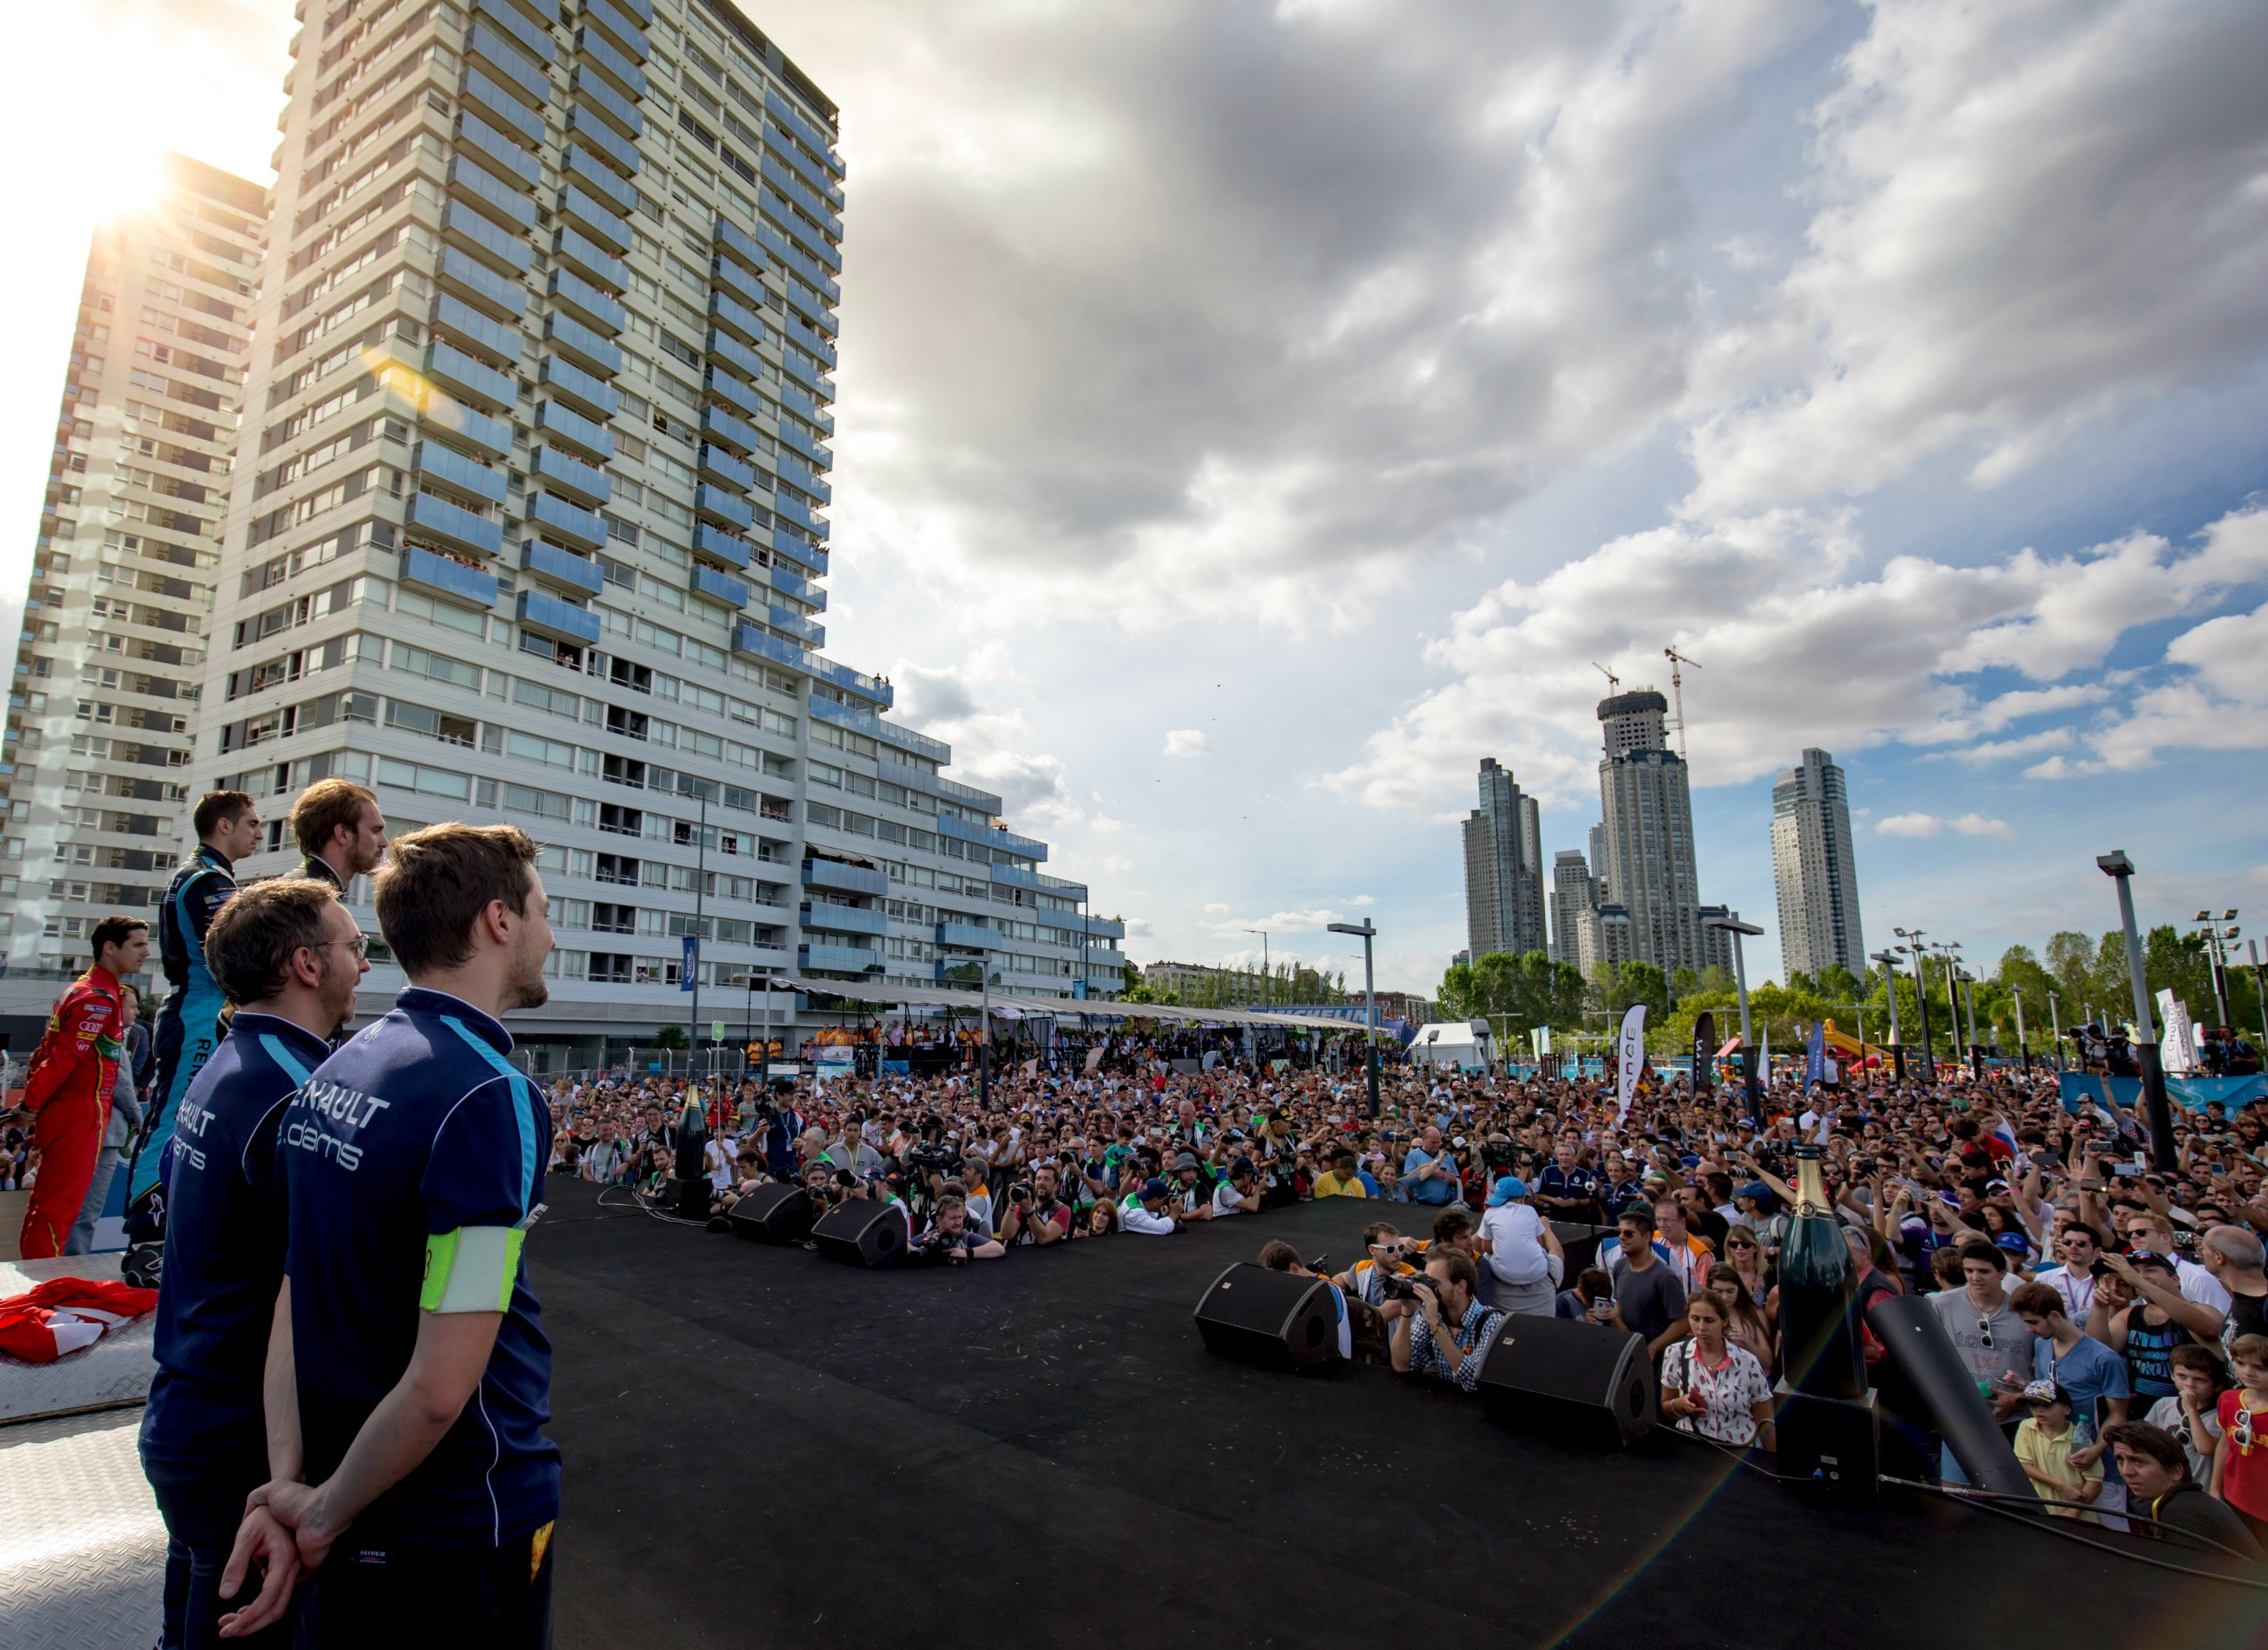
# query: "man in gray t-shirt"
1992,1341
1648,1299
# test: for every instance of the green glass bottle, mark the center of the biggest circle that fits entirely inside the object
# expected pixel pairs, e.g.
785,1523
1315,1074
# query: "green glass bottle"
1824,1351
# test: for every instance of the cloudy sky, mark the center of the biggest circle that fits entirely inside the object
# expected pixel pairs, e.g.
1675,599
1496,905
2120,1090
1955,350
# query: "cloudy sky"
1253,415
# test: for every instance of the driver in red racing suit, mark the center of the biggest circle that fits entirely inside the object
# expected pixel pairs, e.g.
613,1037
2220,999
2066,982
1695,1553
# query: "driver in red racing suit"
73,1071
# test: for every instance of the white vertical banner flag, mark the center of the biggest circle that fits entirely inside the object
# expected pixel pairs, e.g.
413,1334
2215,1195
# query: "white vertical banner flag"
2177,1050
1630,1058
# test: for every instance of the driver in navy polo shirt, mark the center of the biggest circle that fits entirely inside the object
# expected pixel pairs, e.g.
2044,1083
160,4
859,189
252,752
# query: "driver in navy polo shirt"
413,1164
287,955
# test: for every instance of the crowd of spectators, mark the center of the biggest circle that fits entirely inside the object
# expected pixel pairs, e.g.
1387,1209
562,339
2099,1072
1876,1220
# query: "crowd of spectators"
2110,1313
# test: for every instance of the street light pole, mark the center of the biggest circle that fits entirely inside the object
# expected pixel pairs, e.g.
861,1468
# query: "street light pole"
1912,937
2259,987
2055,1031
1368,932
2115,866
1741,930
1266,992
1890,962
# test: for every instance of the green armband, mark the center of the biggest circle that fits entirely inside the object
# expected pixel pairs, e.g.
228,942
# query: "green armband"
471,1270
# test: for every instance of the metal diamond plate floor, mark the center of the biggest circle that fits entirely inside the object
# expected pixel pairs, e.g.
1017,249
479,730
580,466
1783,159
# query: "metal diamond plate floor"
81,1548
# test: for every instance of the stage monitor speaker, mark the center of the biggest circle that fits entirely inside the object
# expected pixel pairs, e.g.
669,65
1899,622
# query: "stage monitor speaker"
1579,1379
1579,1241
775,1212
1280,1320
861,1232
1833,1445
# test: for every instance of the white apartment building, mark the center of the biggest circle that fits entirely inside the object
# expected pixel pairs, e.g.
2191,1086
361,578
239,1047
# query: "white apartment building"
529,523
118,614
1814,869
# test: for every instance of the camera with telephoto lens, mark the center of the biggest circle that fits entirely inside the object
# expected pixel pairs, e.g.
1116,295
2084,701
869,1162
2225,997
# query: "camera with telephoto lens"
1020,1192
933,1158
1398,1288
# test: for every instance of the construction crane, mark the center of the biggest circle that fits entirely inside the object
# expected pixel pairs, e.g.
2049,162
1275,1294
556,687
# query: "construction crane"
1613,682
1678,660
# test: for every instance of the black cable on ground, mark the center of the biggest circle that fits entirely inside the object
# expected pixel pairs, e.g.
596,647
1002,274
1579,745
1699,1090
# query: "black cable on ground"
646,1209
2055,1527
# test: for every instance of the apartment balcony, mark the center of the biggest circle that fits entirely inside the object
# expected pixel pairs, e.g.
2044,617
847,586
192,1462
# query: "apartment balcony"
585,257
734,242
803,481
721,346
748,638
600,53
720,466
496,342
797,368
711,541
735,317
719,505
809,631
801,589
628,36
611,106
796,121
707,581
730,276
833,873
967,934
583,167
588,394
813,176
584,483
789,182
571,522
507,108
422,567
460,373
726,389
450,471
815,455
787,252
806,405
600,311
452,525
843,919
468,229
586,127
584,210
1016,875
837,959
789,509
507,61
570,429
580,579
591,349
511,163
459,426
811,557
718,425
477,284
549,615
870,688
489,196
526,34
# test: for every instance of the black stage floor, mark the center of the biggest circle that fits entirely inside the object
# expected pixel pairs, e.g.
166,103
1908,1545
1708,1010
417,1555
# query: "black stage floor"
765,1448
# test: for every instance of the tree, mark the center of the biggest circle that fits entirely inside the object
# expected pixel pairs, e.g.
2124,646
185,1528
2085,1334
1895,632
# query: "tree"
668,1037
1515,994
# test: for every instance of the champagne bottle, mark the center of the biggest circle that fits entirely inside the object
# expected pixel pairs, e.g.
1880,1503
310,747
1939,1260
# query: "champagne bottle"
1822,1351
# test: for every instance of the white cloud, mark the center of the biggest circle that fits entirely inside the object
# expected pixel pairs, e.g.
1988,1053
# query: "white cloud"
1803,646
2031,214
1930,825
1187,741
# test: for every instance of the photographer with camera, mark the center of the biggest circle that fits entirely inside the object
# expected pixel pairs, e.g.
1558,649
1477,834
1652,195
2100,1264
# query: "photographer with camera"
1387,1255
1447,1333
1240,1193
951,1240
1036,1214
1150,1211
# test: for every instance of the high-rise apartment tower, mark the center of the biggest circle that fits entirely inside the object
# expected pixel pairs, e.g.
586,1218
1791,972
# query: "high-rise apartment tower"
530,523
1503,868
1646,833
118,617
1814,871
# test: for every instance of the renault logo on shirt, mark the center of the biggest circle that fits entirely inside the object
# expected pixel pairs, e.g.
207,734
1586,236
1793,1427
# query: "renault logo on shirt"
344,1112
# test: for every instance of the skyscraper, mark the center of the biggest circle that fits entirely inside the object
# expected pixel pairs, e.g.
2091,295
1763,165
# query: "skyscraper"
1573,896
118,617
1646,832
1812,868
1503,867
531,525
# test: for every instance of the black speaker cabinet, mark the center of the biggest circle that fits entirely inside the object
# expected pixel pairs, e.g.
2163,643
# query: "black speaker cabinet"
1279,1320
775,1212
1833,1445
1580,1381
861,1232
